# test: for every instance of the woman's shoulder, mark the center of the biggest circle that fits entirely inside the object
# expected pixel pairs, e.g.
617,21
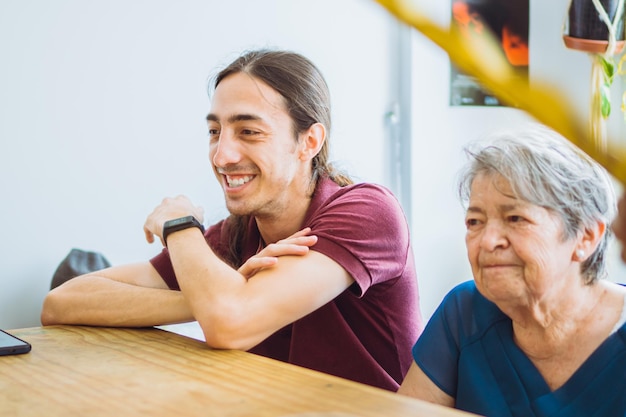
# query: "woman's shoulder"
618,287
618,302
468,312
464,295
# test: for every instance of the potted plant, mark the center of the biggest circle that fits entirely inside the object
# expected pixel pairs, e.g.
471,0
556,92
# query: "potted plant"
597,27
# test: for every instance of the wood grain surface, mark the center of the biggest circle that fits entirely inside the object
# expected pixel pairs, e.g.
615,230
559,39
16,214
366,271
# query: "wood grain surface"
91,371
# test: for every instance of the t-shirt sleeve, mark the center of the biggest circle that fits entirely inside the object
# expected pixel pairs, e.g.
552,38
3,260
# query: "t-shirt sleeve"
437,350
163,265
364,230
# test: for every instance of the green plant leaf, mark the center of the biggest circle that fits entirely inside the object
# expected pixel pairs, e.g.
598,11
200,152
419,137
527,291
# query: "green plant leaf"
608,65
605,95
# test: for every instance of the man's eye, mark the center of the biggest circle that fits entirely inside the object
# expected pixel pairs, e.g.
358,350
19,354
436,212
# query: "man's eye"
213,132
516,219
248,132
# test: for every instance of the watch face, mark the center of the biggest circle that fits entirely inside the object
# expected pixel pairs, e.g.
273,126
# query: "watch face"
182,223
177,222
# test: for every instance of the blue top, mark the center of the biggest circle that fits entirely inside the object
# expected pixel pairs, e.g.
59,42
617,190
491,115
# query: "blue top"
467,350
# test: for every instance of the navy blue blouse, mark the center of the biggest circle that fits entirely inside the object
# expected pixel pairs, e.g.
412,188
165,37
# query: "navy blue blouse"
467,350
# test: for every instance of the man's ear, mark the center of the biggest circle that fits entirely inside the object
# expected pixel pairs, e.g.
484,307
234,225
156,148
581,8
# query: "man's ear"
589,240
312,141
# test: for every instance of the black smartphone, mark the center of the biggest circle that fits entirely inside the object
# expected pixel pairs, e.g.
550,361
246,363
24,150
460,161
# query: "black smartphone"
11,345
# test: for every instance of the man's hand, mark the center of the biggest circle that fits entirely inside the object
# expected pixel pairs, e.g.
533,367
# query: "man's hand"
296,244
169,209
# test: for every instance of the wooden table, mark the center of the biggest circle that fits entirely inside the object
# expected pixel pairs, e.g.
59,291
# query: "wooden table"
89,371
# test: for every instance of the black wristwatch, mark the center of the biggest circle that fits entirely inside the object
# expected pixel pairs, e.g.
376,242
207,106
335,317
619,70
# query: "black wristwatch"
181,223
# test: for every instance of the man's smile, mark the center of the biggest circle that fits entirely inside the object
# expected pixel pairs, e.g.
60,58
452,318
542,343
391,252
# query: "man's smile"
235,181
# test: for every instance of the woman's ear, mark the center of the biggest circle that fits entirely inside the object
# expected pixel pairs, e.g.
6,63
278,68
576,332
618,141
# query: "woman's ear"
589,241
312,141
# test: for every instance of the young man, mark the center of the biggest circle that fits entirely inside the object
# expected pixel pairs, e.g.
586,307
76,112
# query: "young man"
347,306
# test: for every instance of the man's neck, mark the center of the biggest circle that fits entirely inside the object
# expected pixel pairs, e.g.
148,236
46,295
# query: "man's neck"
276,228
289,221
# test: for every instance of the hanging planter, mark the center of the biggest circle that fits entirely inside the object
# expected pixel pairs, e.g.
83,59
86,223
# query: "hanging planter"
589,23
597,27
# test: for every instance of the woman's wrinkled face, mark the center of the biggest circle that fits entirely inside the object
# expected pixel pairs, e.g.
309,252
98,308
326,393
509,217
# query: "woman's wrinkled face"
517,250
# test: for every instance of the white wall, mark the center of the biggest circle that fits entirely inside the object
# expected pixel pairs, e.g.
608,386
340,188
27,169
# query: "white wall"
440,132
102,107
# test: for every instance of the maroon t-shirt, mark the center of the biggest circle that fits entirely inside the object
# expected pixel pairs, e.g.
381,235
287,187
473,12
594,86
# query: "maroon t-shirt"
367,332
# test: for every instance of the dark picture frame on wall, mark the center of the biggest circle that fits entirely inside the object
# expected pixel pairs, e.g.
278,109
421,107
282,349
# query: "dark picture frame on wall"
506,21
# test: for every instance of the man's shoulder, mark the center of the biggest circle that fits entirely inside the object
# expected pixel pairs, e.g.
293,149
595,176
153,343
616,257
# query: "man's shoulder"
358,205
362,227
364,188
362,193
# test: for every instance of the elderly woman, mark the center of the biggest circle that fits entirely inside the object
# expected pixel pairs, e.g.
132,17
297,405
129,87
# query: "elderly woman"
538,332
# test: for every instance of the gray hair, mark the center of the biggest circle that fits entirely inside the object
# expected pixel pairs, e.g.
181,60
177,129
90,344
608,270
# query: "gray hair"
546,170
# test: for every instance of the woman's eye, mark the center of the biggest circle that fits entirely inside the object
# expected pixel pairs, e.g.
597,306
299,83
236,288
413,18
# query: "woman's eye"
471,222
516,219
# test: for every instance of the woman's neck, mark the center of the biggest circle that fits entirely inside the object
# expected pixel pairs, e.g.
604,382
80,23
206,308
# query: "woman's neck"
559,342
547,327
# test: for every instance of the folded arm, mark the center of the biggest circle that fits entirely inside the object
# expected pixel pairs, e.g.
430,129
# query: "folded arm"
130,296
238,312
237,309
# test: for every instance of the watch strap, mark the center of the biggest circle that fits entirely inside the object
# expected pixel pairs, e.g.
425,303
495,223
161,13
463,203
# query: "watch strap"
178,224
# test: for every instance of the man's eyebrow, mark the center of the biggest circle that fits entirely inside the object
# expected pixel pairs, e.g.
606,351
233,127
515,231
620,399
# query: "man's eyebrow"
234,118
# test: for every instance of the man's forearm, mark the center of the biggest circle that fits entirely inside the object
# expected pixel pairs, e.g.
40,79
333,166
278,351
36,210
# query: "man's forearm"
98,301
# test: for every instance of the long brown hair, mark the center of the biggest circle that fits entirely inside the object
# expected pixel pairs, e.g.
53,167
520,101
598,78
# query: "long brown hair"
307,100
